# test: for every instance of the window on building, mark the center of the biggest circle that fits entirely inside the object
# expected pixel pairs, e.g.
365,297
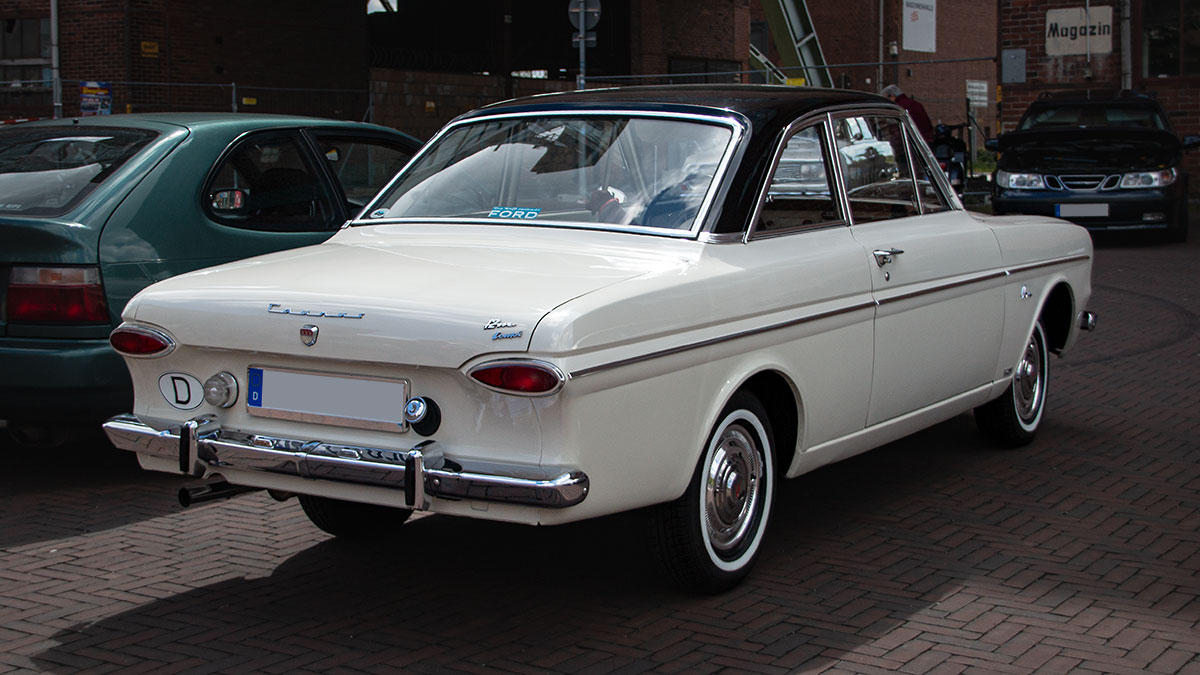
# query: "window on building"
24,62
1170,38
700,71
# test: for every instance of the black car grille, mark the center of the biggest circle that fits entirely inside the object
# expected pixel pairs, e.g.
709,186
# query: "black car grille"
1083,182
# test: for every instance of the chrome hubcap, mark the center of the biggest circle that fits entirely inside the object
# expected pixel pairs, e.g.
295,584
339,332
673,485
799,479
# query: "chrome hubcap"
1027,381
732,494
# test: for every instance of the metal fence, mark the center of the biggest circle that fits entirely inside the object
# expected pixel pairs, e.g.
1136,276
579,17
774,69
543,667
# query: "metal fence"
33,99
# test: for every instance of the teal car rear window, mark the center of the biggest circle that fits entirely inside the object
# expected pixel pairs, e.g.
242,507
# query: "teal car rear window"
45,171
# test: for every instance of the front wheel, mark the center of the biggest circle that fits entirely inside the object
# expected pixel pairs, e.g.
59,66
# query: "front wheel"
351,520
709,538
1013,419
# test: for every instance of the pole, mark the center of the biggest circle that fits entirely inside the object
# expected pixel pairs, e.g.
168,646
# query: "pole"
580,79
55,74
233,87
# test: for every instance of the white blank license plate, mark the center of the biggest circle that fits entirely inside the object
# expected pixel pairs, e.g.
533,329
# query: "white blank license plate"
1081,210
340,400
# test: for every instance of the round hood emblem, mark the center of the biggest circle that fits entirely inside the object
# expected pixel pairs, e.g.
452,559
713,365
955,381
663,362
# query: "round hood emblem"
308,334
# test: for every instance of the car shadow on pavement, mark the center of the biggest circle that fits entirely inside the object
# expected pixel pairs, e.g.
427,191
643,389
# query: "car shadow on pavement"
81,487
475,593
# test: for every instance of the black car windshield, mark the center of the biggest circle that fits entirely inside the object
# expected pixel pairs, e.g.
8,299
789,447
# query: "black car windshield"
44,171
628,173
1093,115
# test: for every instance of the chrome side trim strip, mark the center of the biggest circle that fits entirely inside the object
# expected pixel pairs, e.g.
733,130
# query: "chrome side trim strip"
584,372
424,469
1048,263
944,287
988,276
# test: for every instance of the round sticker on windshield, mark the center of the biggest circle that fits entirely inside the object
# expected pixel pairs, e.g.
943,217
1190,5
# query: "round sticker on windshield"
181,390
379,213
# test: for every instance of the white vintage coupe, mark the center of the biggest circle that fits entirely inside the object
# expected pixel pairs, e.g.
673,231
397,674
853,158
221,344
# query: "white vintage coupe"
572,305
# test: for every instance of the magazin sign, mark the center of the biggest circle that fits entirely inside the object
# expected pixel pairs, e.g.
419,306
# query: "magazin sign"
1079,31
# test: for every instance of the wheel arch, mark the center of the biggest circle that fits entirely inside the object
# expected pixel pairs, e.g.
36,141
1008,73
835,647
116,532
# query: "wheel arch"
1058,316
784,411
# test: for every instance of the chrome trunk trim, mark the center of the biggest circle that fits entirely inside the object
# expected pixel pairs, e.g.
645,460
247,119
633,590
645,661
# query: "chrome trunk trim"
421,472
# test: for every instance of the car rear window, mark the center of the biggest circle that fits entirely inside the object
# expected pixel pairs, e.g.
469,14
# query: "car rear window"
45,171
1093,115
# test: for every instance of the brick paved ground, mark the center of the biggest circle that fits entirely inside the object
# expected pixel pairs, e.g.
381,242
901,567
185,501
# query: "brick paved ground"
936,554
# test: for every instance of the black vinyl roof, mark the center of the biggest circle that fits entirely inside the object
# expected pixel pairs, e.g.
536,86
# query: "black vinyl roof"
758,103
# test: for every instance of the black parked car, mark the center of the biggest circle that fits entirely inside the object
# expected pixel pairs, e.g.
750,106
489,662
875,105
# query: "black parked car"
1104,160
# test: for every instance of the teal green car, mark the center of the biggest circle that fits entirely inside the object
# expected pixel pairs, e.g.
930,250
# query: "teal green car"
94,209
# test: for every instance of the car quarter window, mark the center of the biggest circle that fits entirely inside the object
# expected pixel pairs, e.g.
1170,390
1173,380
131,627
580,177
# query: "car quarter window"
875,168
362,166
932,199
268,182
800,193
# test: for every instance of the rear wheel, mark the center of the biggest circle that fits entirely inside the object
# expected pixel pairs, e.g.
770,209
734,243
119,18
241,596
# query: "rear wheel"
1013,419
352,520
709,538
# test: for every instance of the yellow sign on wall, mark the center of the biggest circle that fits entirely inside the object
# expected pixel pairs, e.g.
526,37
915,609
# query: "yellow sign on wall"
149,49
796,81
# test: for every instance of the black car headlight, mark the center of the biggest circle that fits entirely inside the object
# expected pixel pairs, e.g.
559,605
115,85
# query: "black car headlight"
1020,181
1148,179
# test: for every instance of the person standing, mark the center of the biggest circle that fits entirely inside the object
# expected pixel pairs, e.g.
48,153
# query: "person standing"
914,108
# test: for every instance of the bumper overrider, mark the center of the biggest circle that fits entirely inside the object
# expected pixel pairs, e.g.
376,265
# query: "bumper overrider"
422,472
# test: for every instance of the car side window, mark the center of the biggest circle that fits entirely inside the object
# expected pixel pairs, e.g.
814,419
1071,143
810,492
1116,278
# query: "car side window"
875,166
268,182
932,200
362,166
800,193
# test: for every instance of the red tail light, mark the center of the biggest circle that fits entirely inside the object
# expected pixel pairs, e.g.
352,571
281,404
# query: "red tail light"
56,295
527,378
140,341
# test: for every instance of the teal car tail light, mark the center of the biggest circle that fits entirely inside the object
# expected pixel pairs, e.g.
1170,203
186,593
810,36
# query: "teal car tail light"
59,295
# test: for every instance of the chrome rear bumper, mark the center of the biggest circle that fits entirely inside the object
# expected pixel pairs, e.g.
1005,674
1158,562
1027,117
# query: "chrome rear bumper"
421,472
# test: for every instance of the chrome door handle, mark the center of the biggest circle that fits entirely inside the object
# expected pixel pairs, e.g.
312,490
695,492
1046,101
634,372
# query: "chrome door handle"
884,256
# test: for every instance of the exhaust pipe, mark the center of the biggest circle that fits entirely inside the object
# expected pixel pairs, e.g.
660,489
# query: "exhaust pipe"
211,492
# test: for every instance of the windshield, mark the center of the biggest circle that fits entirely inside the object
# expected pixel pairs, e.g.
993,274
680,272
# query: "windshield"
44,171
1094,115
624,172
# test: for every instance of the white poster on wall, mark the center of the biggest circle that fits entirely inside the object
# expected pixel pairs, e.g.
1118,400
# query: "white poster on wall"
920,25
1079,30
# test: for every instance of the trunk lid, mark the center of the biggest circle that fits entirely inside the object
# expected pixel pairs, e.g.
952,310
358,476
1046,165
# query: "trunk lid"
425,296
1088,149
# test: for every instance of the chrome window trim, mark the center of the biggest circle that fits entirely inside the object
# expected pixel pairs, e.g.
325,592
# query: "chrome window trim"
980,278
801,123
735,122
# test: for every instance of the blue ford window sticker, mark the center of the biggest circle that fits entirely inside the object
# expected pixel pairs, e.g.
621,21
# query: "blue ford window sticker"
379,213
514,212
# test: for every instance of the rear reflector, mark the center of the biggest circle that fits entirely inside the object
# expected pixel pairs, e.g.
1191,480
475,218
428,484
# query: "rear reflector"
528,378
56,295
140,341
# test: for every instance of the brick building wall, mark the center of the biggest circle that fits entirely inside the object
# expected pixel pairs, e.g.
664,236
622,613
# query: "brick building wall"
200,47
420,103
1023,26
717,30
849,31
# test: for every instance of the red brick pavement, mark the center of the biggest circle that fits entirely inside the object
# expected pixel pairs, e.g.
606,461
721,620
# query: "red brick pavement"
936,554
